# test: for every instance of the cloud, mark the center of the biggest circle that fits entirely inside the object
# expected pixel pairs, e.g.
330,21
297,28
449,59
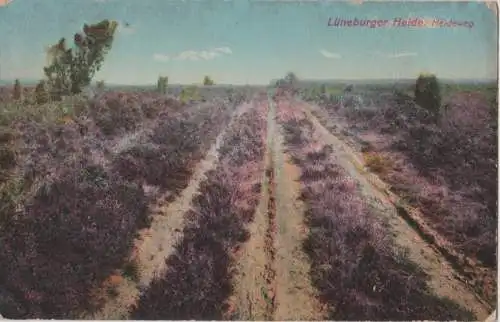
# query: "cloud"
395,55
195,55
161,57
330,55
403,54
224,50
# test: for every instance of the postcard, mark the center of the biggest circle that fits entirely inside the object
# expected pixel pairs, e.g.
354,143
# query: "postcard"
248,160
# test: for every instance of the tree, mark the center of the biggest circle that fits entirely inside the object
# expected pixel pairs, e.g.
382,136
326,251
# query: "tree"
41,94
17,92
207,81
69,70
322,89
427,94
291,82
162,84
291,79
100,85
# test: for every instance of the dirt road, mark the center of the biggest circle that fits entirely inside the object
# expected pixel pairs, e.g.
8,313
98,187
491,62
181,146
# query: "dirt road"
292,265
273,281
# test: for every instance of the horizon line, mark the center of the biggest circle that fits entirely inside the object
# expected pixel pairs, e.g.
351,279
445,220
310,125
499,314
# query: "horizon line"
32,80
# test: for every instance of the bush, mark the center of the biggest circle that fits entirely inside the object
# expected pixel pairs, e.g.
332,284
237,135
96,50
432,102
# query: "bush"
41,94
377,163
100,85
427,94
207,81
7,153
176,144
161,86
190,93
72,235
115,114
159,166
18,90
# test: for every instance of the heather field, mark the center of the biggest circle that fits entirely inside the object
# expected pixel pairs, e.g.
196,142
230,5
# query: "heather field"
248,160
442,175
243,204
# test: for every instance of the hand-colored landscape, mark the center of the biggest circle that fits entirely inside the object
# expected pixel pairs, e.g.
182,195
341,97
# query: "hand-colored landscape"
243,160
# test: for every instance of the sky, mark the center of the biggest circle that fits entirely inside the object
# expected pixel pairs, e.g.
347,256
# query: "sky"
253,42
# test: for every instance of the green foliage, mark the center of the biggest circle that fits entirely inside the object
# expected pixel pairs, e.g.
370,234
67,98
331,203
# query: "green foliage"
7,153
100,85
322,89
427,93
131,270
189,93
9,187
162,84
71,69
289,82
348,88
17,93
41,94
291,79
207,81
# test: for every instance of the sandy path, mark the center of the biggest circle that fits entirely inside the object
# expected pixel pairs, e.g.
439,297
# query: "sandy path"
276,287
158,242
443,280
296,297
249,283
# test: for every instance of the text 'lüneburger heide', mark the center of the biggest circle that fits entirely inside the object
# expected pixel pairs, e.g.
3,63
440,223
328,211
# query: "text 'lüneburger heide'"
399,22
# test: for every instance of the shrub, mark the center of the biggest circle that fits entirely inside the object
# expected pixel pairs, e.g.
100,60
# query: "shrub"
189,93
176,144
114,114
131,270
100,85
18,90
7,153
41,94
207,81
427,94
377,163
72,235
10,185
161,86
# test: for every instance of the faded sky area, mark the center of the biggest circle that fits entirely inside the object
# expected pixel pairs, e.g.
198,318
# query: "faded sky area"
253,42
